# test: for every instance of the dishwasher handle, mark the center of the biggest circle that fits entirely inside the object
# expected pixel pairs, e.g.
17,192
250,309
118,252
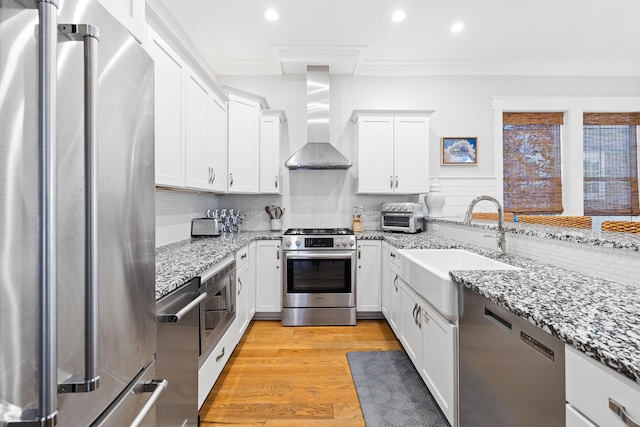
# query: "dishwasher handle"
173,318
497,320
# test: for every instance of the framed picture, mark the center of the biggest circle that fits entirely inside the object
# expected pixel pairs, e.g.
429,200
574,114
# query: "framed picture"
461,150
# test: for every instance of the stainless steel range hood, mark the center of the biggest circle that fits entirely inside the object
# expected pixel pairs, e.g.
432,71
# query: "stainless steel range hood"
318,153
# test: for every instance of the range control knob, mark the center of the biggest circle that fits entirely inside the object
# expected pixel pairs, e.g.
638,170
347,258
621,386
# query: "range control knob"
297,242
405,208
345,242
288,243
351,242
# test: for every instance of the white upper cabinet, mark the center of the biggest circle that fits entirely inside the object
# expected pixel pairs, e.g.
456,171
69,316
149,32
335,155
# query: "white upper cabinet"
198,166
170,77
130,13
393,151
217,135
244,144
190,124
206,137
271,131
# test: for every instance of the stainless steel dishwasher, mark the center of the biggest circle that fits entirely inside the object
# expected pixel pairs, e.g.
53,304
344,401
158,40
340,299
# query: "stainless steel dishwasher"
178,349
511,372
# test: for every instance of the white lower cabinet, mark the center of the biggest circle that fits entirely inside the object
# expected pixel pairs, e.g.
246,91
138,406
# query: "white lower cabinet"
575,419
410,324
591,387
385,281
268,277
212,367
438,369
368,275
243,288
428,338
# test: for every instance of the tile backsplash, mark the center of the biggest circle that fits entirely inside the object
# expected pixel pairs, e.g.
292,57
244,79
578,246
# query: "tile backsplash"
174,212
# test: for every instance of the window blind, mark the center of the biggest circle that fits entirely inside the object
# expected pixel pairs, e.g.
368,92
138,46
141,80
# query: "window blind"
532,172
610,146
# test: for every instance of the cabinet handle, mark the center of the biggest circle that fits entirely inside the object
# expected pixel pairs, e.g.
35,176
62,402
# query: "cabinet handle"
240,287
220,356
415,307
395,284
276,181
396,181
392,255
243,256
359,253
213,175
278,253
230,180
621,412
391,181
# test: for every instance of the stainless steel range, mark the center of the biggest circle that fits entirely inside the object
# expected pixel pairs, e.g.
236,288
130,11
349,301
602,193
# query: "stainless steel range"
319,286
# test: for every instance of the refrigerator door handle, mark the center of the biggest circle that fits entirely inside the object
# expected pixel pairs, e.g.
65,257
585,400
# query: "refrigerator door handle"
155,387
46,414
88,34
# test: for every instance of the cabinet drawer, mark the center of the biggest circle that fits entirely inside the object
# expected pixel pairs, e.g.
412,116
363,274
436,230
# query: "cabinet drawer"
212,367
242,257
576,419
590,385
393,257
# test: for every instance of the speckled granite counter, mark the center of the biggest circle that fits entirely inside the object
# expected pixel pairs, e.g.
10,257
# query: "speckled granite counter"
182,261
575,235
598,317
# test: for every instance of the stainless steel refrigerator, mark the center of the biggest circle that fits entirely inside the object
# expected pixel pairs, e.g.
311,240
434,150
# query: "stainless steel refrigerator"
77,219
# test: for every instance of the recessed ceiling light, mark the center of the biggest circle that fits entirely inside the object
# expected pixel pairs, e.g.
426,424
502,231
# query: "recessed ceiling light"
457,27
399,16
271,15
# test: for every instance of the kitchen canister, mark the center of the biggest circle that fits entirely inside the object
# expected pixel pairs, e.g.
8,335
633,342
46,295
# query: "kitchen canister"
276,224
434,200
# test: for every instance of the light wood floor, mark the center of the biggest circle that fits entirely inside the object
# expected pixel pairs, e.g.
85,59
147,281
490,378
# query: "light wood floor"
293,376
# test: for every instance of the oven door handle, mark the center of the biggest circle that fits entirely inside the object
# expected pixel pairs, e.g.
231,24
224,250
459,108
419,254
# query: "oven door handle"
319,255
173,318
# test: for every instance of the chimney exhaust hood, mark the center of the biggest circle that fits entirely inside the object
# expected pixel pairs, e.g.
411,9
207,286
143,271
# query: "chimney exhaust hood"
318,153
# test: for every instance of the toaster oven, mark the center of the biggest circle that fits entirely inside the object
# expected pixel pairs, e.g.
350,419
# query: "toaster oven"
402,217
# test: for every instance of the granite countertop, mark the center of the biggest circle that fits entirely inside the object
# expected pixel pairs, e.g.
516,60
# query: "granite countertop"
609,239
180,262
598,317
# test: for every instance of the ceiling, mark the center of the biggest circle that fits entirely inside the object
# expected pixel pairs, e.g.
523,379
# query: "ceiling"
500,37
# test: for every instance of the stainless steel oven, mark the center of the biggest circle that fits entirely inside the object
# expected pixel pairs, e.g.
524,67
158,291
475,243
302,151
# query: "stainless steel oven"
319,281
218,310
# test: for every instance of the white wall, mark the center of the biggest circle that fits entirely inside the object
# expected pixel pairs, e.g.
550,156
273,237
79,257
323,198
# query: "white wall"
463,107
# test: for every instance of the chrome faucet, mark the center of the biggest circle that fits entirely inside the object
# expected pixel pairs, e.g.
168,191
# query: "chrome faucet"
502,243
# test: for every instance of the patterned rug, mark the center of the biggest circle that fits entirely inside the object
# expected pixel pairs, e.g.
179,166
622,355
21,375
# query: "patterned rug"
391,392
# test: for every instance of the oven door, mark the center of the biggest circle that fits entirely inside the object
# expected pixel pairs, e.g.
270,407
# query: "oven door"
319,279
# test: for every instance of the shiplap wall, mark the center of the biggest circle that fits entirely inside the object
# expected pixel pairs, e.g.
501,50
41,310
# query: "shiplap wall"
459,191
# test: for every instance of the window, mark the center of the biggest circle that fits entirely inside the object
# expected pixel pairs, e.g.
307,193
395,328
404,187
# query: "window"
611,163
532,172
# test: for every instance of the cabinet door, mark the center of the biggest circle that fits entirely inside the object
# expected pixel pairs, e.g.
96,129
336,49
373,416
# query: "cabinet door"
170,72
410,324
368,276
217,134
270,128
411,154
244,138
394,301
197,166
251,284
268,277
243,287
375,155
439,359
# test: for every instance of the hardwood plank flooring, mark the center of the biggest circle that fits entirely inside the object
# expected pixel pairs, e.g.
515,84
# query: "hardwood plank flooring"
293,376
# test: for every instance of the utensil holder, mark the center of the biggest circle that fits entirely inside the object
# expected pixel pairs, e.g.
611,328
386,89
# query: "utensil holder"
276,224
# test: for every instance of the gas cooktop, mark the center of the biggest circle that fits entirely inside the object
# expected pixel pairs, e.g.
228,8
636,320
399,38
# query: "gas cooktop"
319,232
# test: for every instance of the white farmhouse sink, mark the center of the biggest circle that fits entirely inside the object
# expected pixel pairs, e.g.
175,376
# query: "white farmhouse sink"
427,271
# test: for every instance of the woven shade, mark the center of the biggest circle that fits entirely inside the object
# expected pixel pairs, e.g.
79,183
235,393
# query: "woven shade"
558,221
621,226
610,164
532,163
